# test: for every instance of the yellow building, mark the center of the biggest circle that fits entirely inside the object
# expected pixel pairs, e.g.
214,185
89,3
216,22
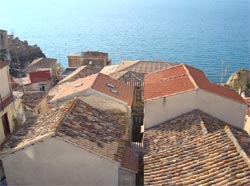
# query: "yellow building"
7,111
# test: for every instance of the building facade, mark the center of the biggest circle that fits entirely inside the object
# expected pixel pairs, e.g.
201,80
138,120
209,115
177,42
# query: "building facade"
98,59
181,89
7,111
76,144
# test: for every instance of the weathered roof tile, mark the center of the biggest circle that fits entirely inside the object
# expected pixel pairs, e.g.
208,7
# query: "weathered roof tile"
179,152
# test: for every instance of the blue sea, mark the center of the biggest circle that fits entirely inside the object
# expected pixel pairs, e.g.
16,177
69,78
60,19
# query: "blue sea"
211,35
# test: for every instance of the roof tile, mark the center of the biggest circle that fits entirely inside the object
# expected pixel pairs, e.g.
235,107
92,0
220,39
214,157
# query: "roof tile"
87,127
182,78
179,152
99,82
39,76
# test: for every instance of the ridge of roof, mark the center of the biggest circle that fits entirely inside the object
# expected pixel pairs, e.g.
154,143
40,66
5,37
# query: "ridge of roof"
237,145
125,92
194,75
179,146
134,62
190,76
35,129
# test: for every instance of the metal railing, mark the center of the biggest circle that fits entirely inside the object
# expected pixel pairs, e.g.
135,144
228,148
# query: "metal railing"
137,146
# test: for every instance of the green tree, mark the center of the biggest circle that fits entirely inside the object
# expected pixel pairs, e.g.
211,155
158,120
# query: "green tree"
3,54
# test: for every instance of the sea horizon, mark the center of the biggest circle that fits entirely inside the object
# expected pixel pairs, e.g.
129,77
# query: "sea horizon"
211,35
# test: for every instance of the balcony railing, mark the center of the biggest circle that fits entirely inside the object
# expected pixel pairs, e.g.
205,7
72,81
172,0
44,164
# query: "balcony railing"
137,146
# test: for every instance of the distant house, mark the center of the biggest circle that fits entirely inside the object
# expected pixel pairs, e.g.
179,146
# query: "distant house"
7,111
38,81
97,89
80,72
143,67
196,149
132,73
94,58
42,64
75,144
180,89
67,71
34,103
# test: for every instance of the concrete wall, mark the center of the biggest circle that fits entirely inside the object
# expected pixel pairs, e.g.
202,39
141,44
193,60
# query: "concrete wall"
55,162
37,86
126,178
159,110
232,112
77,61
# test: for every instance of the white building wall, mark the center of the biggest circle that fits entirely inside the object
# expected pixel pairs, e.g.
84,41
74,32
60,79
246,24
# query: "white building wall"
247,124
55,162
159,110
11,115
227,110
5,82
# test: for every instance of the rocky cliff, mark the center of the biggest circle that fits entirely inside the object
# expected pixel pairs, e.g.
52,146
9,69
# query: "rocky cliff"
22,54
239,80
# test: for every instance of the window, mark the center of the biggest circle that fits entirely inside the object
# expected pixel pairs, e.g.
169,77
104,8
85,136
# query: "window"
6,125
110,85
114,91
42,88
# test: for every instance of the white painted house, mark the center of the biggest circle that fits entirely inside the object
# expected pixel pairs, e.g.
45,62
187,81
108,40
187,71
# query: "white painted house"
7,110
75,144
180,89
100,85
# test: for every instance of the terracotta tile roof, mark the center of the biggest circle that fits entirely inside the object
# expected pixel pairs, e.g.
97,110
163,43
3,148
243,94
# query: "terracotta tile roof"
3,64
109,69
182,78
125,64
131,78
41,63
32,99
35,129
98,82
71,88
203,83
80,72
99,131
39,76
143,66
186,151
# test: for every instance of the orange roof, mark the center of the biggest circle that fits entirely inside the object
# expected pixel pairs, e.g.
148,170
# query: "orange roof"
182,78
101,83
39,76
